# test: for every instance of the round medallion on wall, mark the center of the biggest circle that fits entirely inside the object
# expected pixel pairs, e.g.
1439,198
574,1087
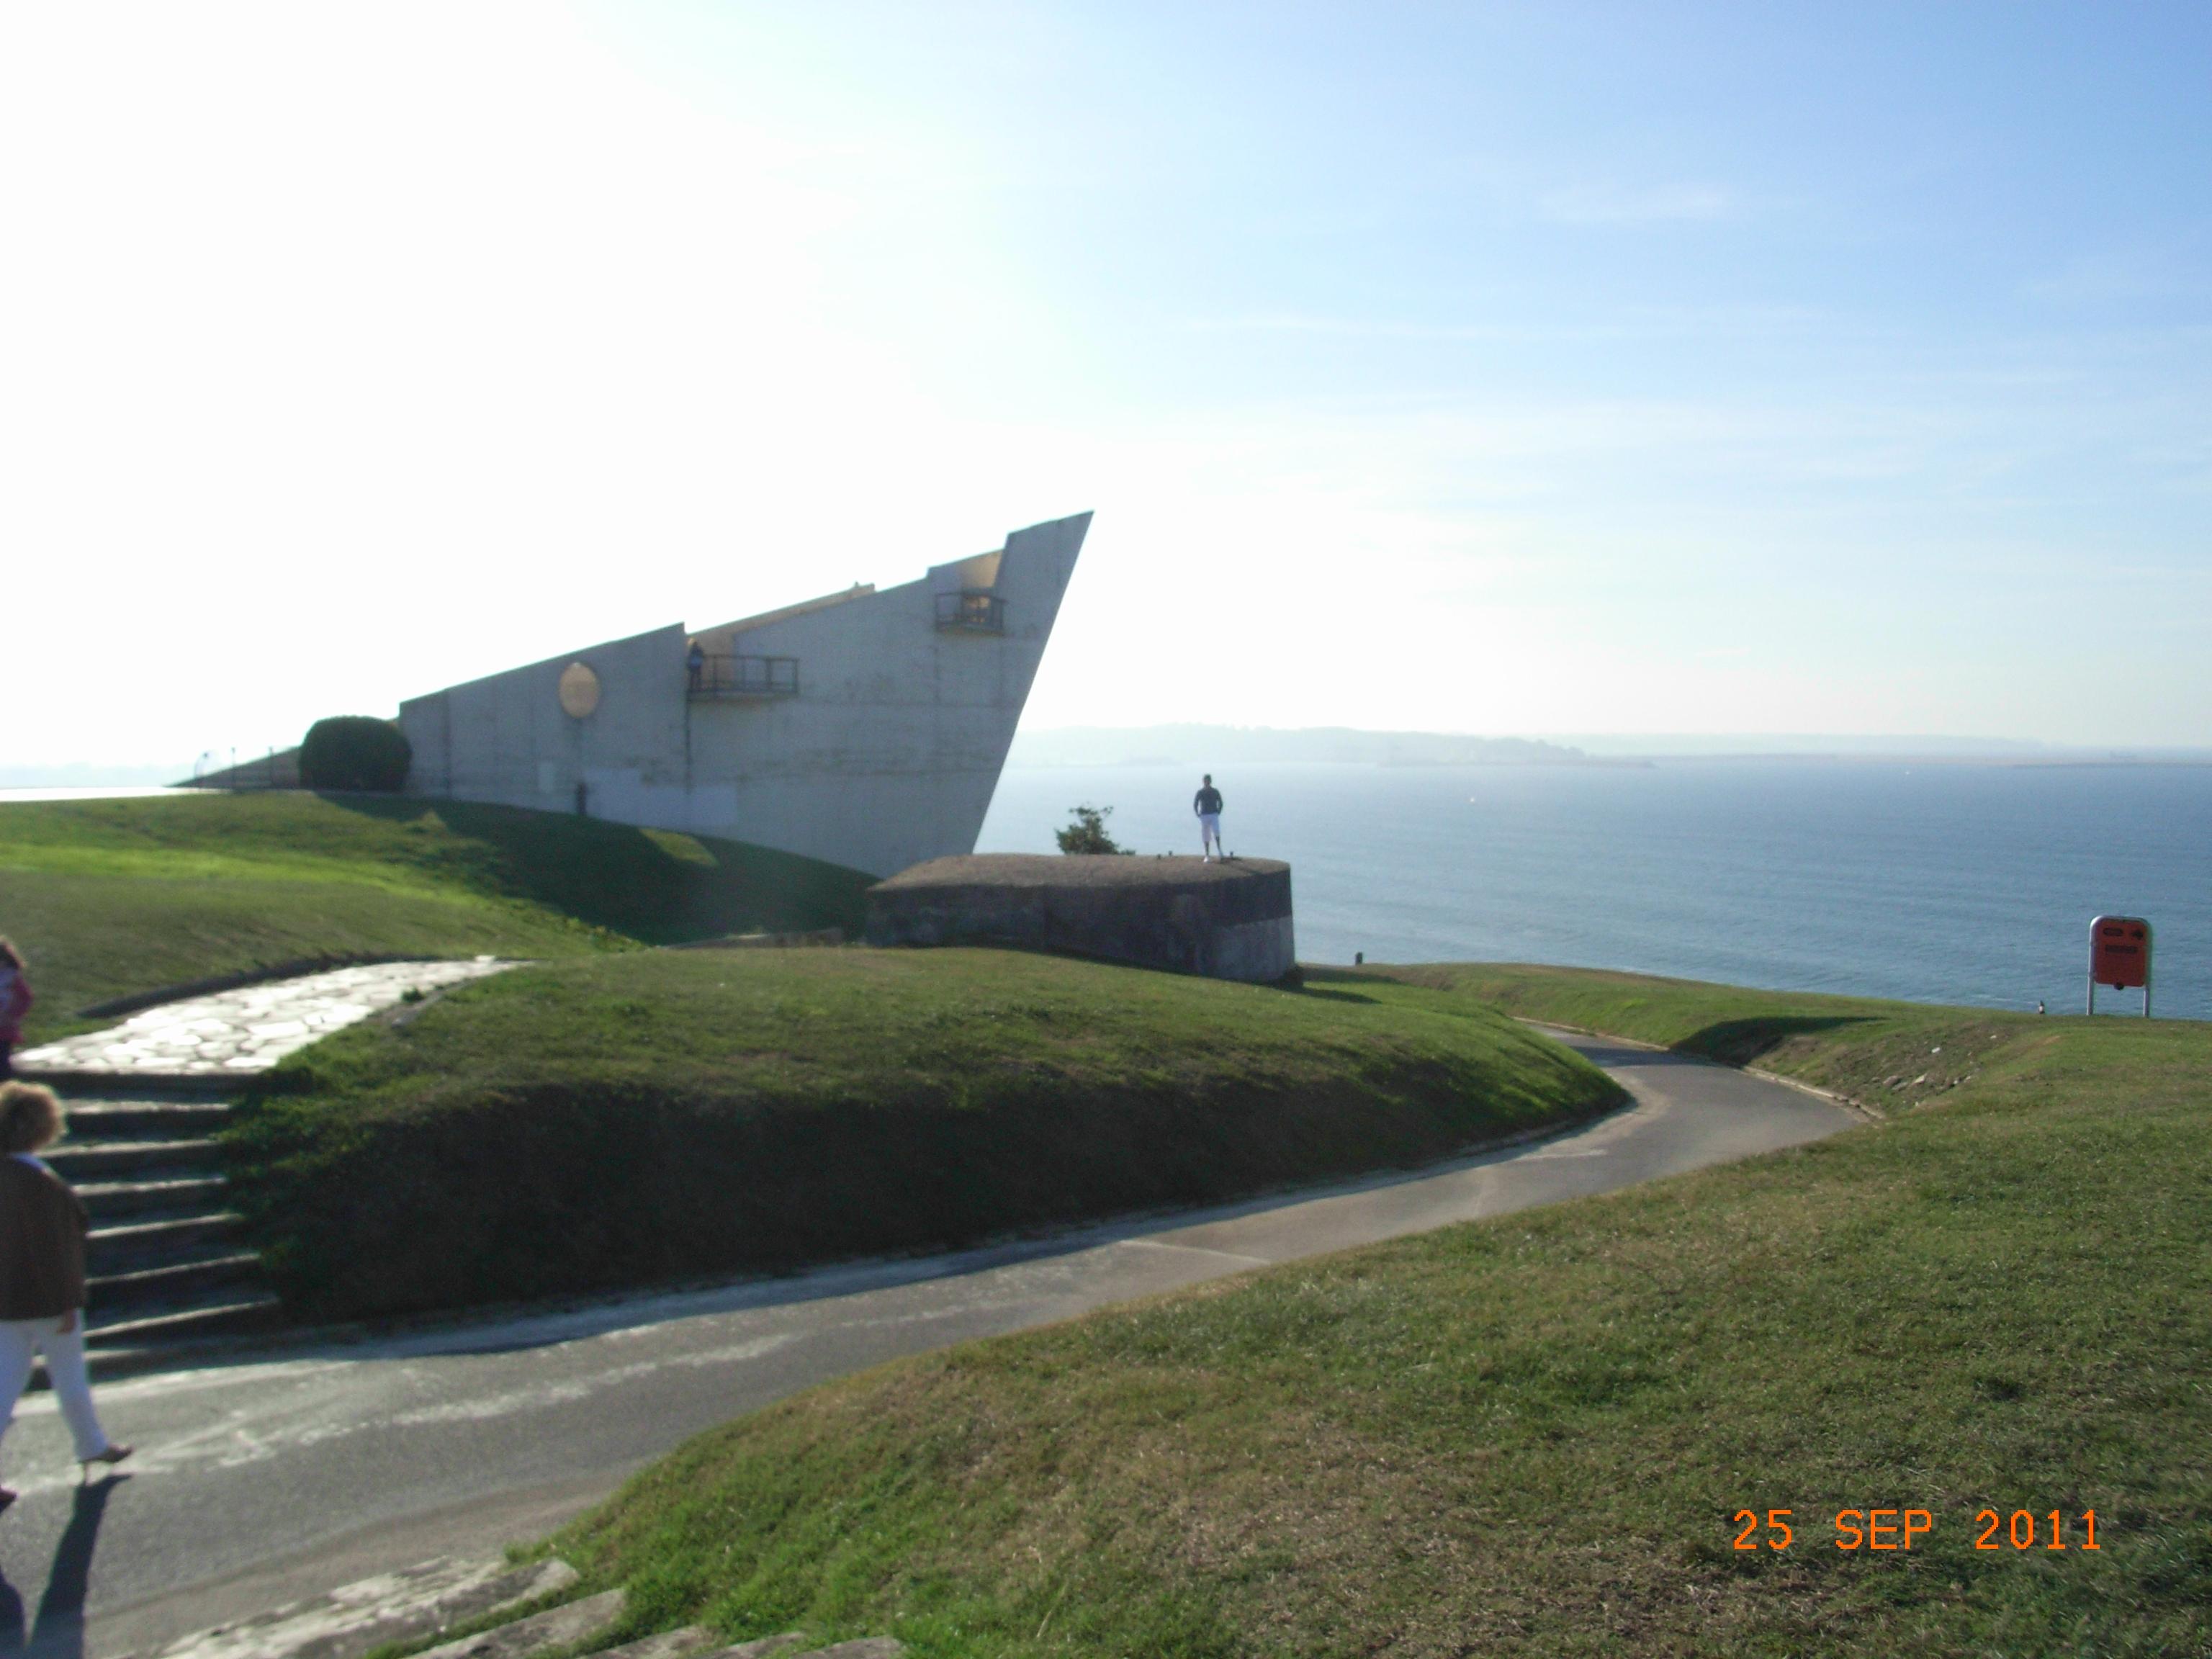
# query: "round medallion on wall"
579,690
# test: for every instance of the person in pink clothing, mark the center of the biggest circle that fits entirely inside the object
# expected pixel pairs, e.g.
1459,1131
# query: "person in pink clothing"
14,1002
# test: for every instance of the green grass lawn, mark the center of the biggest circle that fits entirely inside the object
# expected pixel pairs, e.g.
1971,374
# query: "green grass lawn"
1534,1435
617,1121
113,897
1887,1056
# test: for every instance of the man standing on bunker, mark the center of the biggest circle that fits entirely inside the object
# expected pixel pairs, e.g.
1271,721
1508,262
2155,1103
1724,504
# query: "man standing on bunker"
1208,804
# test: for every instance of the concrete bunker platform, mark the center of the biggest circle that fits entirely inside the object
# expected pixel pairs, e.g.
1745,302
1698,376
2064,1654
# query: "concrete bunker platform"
1226,920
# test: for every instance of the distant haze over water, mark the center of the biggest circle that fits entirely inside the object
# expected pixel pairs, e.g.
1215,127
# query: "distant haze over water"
1947,882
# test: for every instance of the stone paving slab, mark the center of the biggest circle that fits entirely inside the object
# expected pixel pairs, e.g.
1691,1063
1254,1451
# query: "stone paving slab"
420,1601
234,1033
393,1606
563,1626
669,1644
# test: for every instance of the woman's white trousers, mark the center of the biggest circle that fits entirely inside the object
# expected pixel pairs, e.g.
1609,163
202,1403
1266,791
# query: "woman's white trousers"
64,1351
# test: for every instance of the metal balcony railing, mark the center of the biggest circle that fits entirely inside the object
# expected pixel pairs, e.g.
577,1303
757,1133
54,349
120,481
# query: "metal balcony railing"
715,678
972,610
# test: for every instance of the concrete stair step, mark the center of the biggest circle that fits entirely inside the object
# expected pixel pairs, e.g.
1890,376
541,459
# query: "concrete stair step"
78,1161
176,1087
107,1364
154,1191
189,1272
167,1277
144,1120
160,1353
220,1313
121,1246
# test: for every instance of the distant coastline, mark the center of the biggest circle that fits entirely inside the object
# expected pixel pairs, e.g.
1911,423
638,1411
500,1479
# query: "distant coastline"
1223,745
1203,746
82,775
1209,745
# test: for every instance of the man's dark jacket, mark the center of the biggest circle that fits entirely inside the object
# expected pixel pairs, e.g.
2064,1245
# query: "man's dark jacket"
42,1228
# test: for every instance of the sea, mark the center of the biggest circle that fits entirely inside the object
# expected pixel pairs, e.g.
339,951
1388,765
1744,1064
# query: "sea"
1955,881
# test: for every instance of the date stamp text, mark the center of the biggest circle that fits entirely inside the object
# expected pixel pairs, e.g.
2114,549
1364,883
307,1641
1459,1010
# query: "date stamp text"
1901,1528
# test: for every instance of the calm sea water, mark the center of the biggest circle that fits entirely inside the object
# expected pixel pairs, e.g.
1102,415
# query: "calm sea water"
1949,882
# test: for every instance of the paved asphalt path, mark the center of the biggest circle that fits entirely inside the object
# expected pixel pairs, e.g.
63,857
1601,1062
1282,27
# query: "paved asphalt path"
259,1482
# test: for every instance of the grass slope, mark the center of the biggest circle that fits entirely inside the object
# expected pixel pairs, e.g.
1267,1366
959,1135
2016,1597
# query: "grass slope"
111,897
627,1120
1531,1436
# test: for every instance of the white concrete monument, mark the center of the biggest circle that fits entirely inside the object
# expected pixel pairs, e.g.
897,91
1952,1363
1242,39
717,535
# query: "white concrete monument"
865,727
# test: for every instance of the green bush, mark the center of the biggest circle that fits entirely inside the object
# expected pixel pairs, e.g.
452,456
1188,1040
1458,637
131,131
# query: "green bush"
1087,834
355,751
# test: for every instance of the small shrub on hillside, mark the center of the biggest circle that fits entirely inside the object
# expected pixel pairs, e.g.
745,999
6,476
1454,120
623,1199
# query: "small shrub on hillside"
355,751
1088,833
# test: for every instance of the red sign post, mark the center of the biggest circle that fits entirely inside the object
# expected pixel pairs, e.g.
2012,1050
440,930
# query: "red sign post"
2119,955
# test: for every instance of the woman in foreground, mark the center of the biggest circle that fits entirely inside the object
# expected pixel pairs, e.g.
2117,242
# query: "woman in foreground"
42,1229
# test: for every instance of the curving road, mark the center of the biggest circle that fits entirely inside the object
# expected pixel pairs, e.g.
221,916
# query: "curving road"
260,1482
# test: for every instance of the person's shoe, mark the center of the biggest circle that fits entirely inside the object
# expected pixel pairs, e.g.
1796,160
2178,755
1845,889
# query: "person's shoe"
7,1495
112,1455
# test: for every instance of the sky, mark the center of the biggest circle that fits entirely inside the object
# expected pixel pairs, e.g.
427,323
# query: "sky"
1505,369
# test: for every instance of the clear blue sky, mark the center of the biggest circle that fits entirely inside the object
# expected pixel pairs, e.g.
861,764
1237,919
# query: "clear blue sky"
1503,369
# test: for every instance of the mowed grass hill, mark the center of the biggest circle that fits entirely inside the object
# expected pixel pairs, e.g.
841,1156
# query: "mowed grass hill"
111,898
613,1121
612,1116
1539,1434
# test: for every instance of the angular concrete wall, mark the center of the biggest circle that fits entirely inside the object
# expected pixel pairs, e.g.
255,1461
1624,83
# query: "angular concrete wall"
506,738
1227,920
886,754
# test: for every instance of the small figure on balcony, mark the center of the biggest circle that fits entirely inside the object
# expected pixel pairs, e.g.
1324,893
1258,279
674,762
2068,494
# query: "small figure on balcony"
1208,804
696,664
